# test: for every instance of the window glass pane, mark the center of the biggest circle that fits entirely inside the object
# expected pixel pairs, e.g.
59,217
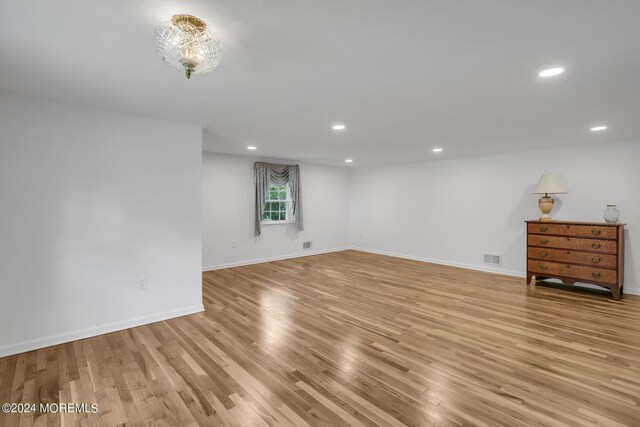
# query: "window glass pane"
275,209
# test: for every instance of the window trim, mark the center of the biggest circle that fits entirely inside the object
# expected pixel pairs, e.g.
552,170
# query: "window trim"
289,211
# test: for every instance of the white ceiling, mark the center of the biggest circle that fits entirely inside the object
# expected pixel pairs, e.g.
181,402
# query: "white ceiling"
404,76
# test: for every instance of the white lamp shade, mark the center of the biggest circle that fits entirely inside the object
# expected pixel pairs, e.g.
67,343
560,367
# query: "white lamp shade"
549,184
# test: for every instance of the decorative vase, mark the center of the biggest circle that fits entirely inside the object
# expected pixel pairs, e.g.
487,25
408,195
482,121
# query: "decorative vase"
611,214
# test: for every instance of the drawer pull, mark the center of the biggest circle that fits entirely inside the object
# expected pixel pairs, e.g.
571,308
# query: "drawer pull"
543,253
544,241
595,259
596,275
596,246
596,232
543,267
543,229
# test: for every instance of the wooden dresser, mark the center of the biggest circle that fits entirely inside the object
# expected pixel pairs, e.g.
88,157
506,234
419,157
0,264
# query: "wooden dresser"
588,252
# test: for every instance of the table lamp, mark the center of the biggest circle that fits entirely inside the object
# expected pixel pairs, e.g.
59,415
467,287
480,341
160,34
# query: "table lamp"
549,184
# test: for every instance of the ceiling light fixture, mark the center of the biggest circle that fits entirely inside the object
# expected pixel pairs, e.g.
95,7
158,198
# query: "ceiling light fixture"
251,147
598,128
348,161
338,127
551,72
437,150
185,44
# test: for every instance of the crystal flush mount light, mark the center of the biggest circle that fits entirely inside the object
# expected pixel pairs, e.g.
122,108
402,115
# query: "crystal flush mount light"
185,44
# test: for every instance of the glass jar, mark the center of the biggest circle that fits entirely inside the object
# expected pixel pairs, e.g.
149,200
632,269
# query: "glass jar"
611,214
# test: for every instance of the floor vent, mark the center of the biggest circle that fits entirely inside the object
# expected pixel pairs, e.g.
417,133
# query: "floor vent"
492,259
306,245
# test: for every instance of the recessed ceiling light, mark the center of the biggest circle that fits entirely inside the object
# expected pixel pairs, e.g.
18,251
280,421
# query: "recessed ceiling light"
437,150
251,147
551,72
338,127
598,128
348,161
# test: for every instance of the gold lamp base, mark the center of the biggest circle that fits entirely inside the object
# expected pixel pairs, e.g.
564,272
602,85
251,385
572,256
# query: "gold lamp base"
546,205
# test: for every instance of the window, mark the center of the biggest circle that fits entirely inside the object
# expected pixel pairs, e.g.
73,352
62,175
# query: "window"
277,209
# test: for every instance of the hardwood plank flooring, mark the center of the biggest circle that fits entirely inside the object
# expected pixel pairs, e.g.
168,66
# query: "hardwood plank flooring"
354,339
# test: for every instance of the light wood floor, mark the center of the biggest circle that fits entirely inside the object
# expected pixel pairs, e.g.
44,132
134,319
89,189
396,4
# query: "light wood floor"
352,339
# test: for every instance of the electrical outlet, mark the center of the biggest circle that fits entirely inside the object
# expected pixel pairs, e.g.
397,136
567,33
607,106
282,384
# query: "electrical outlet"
306,245
142,285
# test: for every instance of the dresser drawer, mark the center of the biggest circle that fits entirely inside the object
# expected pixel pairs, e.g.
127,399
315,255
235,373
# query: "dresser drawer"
593,245
577,272
593,231
573,257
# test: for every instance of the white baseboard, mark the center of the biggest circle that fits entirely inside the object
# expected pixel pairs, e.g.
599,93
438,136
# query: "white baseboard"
39,343
627,290
486,269
270,259
442,262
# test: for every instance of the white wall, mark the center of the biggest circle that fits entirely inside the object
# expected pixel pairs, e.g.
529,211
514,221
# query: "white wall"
91,201
455,211
228,213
